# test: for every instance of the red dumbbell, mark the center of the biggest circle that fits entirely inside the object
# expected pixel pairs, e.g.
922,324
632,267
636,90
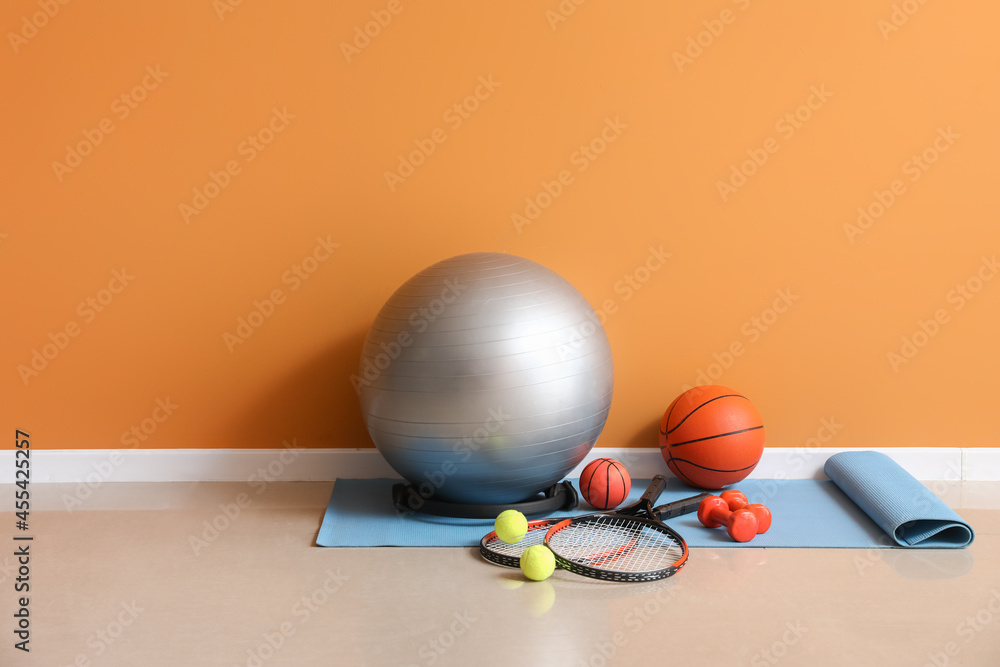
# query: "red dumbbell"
743,522
737,501
763,517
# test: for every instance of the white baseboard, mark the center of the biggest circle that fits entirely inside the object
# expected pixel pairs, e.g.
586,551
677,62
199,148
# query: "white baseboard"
310,465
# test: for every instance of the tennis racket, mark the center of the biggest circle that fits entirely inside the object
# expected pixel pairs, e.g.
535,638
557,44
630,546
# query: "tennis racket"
495,550
630,544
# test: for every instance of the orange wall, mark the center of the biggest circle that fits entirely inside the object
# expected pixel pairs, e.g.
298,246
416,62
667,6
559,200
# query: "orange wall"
884,87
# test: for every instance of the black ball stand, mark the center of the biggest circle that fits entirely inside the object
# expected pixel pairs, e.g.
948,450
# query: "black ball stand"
561,496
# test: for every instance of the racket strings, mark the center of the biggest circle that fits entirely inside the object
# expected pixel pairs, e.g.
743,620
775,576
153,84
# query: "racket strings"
617,544
535,535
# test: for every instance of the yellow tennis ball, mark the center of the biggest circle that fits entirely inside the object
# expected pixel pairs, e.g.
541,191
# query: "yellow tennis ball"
537,562
511,526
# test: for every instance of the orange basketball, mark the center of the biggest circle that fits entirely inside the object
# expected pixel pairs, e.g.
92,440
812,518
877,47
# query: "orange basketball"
711,436
605,483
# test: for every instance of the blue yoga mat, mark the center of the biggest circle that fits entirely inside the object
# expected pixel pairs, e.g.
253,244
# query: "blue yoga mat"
807,513
903,508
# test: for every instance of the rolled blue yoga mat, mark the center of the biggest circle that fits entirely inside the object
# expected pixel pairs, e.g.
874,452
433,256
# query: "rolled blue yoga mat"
901,506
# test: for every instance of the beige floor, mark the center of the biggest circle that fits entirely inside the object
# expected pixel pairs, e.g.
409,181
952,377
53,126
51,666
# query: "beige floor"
122,580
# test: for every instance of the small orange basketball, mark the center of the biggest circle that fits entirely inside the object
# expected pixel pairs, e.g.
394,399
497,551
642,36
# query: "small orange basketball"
711,436
605,483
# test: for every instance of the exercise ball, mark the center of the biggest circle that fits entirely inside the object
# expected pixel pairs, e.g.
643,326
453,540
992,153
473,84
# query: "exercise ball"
485,378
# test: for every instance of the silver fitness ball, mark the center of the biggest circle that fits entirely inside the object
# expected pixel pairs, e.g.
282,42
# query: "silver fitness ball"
485,378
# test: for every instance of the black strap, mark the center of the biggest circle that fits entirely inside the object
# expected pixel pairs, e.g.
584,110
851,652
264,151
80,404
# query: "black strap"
562,496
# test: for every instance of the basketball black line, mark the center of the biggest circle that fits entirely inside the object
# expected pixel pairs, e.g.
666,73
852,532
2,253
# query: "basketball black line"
677,472
607,479
590,479
607,464
699,408
607,484
711,437
620,477
717,469
669,412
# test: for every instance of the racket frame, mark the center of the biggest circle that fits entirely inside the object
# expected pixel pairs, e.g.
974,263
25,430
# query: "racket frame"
653,491
603,574
654,517
508,559
631,512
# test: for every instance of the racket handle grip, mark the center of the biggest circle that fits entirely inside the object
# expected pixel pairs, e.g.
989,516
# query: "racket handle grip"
680,507
656,488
